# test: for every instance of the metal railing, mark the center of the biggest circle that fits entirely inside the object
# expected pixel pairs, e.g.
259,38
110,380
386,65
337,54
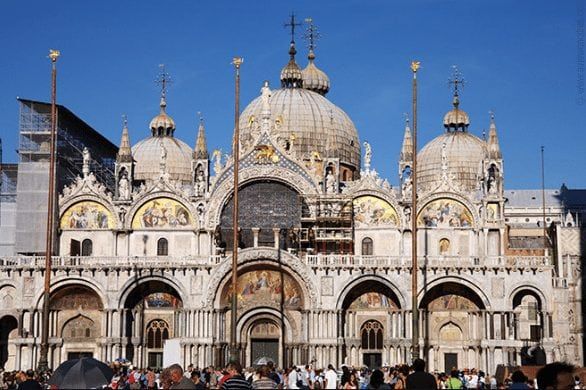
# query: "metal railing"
111,261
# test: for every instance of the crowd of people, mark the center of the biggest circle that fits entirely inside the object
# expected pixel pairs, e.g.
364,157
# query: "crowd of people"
233,376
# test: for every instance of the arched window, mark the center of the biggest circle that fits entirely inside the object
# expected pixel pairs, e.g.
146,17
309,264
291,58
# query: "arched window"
162,247
367,246
86,247
157,333
371,334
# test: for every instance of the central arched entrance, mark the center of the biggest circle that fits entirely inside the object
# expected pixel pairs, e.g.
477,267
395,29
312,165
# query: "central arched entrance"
151,318
8,331
269,304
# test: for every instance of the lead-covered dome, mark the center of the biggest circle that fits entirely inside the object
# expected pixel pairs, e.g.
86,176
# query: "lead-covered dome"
313,122
148,153
456,152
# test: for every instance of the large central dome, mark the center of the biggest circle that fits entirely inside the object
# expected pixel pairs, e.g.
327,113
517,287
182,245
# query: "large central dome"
313,122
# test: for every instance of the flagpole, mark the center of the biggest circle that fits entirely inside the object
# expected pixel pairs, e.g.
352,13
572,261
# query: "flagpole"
237,62
414,266
43,363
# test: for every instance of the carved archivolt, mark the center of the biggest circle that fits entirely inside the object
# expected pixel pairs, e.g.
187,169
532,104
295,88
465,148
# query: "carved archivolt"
270,256
257,172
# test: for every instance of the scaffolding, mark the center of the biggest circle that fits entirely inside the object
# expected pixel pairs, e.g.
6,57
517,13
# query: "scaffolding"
73,135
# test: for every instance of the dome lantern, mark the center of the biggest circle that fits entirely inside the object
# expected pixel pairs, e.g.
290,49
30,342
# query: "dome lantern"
314,79
456,119
163,125
291,76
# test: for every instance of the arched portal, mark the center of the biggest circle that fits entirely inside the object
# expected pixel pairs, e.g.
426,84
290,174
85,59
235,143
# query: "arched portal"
372,317
8,331
268,298
529,326
451,313
75,317
150,316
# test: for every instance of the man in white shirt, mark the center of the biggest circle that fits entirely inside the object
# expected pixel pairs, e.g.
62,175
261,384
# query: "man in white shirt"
292,378
331,378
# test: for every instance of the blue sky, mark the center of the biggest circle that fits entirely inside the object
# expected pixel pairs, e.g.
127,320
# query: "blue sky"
520,59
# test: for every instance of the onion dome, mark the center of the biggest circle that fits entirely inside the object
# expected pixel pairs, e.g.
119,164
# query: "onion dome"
314,78
457,152
162,124
291,76
315,124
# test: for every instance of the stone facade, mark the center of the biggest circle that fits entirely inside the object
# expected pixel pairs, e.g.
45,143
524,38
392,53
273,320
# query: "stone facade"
331,285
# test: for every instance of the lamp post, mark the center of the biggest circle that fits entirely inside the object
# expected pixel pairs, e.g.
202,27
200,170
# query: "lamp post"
43,363
237,62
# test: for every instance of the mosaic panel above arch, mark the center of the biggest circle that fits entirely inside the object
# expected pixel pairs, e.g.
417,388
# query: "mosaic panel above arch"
87,214
373,301
162,213
370,211
265,288
445,212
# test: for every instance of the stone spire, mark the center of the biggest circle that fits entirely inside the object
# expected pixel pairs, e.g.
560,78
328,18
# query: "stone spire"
124,152
201,149
494,149
407,148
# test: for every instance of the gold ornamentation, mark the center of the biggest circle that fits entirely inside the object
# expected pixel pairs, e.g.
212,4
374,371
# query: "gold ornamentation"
54,54
415,66
266,154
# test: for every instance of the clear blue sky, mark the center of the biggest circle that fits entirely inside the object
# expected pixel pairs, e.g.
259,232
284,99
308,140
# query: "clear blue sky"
519,58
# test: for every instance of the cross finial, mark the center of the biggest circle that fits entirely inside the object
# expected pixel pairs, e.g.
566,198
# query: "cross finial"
311,34
163,80
200,116
125,120
456,79
292,24
406,118
491,113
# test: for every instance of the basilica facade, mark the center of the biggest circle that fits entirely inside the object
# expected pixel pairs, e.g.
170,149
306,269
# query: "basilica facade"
324,266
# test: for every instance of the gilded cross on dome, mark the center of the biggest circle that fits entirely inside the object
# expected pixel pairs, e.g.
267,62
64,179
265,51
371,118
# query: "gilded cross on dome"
292,24
456,79
163,79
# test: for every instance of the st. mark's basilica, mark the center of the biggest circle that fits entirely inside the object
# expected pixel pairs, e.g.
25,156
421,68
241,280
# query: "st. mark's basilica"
144,243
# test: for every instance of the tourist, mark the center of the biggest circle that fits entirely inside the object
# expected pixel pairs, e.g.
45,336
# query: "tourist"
263,381
420,379
236,380
178,380
196,379
272,374
352,382
377,381
150,379
292,378
331,378
454,381
519,381
556,376
30,383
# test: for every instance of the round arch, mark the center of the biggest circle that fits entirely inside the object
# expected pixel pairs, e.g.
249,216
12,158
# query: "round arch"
468,205
131,287
67,209
132,212
270,257
363,284
525,289
472,286
450,288
249,318
8,324
222,192
68,281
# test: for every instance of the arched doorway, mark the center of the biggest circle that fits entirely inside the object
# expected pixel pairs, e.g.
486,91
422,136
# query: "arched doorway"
75,317
451,315
8,331
151,317
372,325
269,303
529,326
